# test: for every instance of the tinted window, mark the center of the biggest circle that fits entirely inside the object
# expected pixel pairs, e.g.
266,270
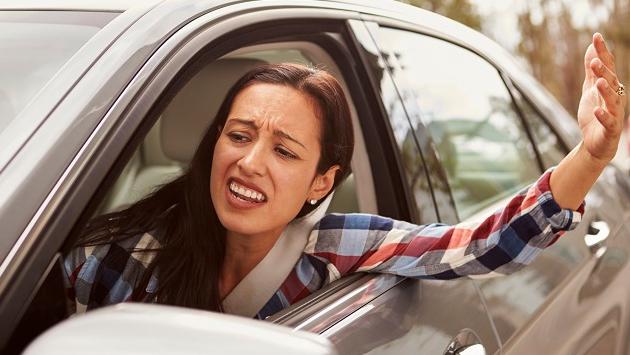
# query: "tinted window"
468,111
34,46
411,158
548,144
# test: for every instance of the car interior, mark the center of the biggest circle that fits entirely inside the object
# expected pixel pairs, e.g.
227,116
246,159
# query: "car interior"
169,146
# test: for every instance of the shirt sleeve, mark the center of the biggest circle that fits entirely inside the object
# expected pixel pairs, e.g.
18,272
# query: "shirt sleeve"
500,244
107,274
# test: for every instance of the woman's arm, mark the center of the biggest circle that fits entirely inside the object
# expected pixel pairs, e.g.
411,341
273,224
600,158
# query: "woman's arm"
500,244
511,237
600,116
106,274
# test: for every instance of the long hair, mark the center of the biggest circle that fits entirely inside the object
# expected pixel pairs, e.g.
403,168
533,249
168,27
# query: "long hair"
180,214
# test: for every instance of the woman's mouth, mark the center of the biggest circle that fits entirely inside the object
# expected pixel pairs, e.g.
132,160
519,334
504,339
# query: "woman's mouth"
245,194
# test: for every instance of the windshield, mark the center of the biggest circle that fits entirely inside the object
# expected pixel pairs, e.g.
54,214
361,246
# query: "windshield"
34,45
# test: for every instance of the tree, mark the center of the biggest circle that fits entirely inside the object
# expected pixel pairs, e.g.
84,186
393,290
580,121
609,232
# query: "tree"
617,33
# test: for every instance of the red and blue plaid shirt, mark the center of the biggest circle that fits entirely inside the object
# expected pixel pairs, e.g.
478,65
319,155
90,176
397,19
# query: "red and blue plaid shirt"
341,244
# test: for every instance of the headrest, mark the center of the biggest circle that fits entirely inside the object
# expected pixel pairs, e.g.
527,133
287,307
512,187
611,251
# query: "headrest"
187,117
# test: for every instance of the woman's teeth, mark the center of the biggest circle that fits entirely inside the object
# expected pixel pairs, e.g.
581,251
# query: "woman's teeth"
245,193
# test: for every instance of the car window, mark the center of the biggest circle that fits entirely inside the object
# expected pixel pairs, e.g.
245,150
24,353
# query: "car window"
412,160
412,164
171,142
547,142
466,108
34,46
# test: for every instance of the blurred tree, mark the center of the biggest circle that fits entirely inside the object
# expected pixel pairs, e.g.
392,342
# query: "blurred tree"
617,33
554,49
572,42
537,47
554,46
550,41
459,10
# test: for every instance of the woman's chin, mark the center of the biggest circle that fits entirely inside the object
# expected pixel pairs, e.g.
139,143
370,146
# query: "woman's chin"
240,225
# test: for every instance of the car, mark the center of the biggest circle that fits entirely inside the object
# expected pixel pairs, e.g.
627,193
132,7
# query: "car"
102,101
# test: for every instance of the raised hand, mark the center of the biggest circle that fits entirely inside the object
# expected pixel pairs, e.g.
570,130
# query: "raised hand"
601,109
600,116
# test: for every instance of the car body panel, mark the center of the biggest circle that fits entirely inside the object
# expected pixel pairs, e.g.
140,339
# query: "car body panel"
77,5
93,107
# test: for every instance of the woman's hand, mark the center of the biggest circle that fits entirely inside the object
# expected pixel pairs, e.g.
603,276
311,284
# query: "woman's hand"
600,116
601,110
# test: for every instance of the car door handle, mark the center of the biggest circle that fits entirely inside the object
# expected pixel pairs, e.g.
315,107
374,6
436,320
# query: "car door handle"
476,349
595,238
465,343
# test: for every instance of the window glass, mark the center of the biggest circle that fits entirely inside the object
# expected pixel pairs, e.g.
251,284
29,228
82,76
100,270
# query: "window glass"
34,46
411,158
548,144
466,108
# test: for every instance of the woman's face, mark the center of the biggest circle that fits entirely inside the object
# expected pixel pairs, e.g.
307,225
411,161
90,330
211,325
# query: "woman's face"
265,160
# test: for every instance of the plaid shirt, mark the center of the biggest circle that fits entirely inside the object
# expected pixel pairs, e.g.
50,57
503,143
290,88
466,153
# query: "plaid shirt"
340,244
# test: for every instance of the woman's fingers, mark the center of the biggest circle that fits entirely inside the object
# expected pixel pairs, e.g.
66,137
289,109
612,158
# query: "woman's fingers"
612,99
602,71
610,96
607,120
602,51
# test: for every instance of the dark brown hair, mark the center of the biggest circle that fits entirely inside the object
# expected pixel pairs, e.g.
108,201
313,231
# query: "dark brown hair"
180,214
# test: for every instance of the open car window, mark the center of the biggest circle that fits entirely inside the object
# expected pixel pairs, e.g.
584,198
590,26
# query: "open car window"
170,144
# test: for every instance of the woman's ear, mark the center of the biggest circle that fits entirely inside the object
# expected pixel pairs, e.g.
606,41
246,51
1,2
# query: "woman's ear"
323,183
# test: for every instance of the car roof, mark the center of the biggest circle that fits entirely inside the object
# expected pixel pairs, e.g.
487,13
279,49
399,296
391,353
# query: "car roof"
82,5
122,5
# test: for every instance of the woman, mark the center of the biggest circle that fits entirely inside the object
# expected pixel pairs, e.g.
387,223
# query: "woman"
280,143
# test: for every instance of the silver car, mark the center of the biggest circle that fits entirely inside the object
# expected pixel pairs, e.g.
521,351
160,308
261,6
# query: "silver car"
102,101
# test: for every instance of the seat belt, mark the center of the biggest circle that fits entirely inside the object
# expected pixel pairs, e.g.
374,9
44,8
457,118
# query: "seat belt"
255,290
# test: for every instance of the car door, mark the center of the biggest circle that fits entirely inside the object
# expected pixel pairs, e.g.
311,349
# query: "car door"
413,316
486,154
589,292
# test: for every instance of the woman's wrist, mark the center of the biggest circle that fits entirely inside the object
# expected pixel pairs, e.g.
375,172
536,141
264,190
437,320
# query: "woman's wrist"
571,180
588,160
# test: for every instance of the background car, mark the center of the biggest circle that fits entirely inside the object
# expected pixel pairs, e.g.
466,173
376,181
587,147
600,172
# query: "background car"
102,102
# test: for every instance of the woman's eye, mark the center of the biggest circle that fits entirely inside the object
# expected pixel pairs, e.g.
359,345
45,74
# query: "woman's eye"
238,138
285,153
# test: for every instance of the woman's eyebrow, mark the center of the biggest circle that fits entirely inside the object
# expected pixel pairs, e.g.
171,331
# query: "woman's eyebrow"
277,132
282,134
250,123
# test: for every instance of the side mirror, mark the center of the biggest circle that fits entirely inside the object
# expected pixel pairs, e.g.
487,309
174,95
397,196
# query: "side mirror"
135,328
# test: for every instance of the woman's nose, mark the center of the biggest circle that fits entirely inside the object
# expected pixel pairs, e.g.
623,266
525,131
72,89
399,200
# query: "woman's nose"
253,162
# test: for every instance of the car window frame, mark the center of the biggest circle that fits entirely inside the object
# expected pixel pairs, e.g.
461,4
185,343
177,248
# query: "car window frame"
519,96
112,142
